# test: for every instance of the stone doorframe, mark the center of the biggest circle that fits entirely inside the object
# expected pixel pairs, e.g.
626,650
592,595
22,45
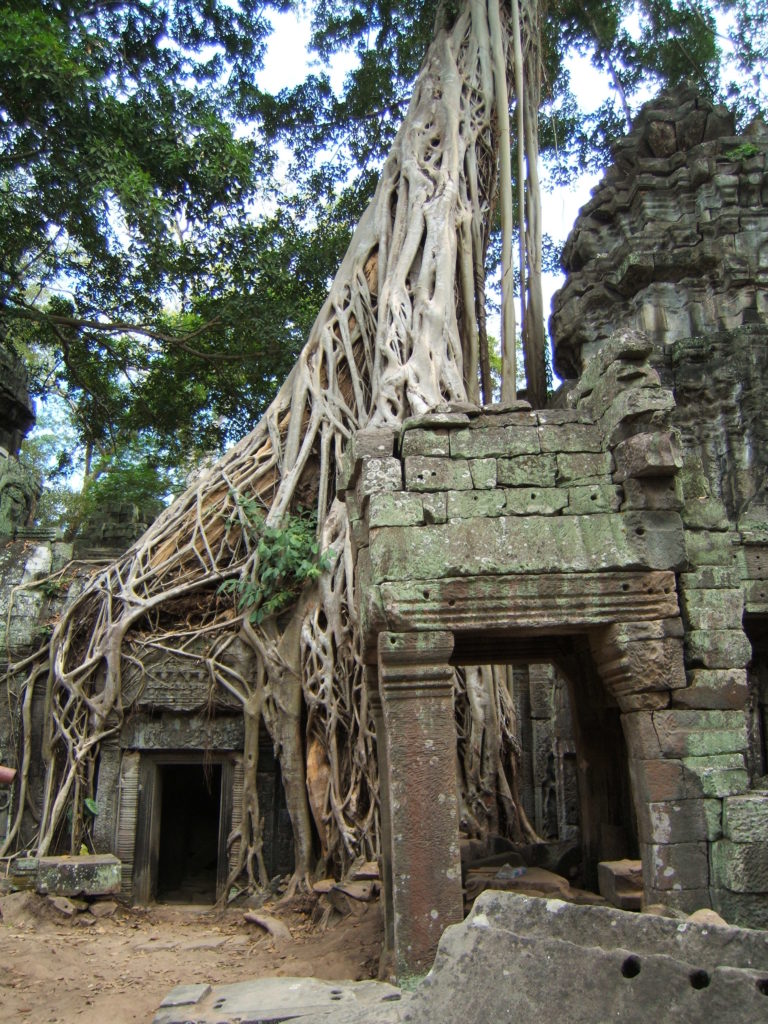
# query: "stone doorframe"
632,620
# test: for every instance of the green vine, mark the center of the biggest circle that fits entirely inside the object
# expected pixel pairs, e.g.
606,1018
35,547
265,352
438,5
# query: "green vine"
288,556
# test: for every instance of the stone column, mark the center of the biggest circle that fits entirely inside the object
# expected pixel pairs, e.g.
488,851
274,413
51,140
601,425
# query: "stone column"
416,686
377,713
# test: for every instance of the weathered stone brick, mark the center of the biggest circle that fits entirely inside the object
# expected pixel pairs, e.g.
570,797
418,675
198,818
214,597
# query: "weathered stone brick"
662,493
522,501
675,866
717,648
426,474
745,817
714,688
709,577
378,475
466,504
689,733
583,467
435,507
712,609
494,441
680,821
570,437
526,469
636,409
709,549
593,498
483,473
657,780
418,441
741,907
397,508
717,775
648,455
740,867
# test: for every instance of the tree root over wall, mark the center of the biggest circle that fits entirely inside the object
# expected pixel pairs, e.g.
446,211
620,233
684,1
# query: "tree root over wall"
401,333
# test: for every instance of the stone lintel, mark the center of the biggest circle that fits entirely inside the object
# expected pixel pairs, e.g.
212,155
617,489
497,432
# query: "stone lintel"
545,601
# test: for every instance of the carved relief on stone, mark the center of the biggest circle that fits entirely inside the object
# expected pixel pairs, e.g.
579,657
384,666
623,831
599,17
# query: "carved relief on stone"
19,491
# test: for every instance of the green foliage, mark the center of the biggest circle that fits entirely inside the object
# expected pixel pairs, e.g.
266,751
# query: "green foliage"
742,152
288,557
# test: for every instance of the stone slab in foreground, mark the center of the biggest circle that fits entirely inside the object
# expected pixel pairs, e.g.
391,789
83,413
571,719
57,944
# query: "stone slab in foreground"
517,958
269,1000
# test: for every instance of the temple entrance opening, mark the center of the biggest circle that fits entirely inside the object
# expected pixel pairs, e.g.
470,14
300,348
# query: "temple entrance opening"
571,762
756,628
189,833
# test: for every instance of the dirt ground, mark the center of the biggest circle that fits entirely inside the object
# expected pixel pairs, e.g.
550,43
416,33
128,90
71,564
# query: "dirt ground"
57,970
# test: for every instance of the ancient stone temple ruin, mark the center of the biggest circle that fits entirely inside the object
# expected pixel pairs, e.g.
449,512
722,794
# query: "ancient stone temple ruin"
621,535
609,552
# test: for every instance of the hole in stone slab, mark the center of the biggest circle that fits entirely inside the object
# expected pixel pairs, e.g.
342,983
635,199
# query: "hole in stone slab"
593,497
425,594
533,495
699,979
762,986
452,602
393,640
631,967
640,531
625,587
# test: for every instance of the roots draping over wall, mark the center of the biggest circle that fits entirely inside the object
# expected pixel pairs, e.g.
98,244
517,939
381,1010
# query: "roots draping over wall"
402,332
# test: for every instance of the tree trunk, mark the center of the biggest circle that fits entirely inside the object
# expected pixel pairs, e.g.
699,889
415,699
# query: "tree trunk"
401,332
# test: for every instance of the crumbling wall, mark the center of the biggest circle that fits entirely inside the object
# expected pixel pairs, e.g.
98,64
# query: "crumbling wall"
674,242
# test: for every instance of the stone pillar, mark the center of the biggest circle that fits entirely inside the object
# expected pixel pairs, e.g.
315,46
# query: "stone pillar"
377,713
416,686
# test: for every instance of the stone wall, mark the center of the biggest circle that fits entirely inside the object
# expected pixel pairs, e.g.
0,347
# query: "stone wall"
675,242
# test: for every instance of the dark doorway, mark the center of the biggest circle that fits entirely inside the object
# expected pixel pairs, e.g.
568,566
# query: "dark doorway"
189,832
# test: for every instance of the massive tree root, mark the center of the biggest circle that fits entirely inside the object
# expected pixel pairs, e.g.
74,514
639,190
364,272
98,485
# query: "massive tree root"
401,333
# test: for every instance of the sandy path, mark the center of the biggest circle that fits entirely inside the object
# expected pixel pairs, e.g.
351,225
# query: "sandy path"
117,970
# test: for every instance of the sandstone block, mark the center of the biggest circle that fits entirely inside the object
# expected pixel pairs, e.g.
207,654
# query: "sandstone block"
707,549
466,504
94,875
648,455
418,441
570,437
435,507
716,775
525,470
530,501
680,821
741,908
675,866
583,467
378,475
494,441
593,498
688,733
745,817
712,609
427,474
663,493
395,508
658,780
714,688
709,577
483,473
717,648
740,867
635,410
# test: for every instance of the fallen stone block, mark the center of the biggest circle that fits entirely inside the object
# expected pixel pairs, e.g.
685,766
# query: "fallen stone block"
268,1000
538,960
93,875
621,883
